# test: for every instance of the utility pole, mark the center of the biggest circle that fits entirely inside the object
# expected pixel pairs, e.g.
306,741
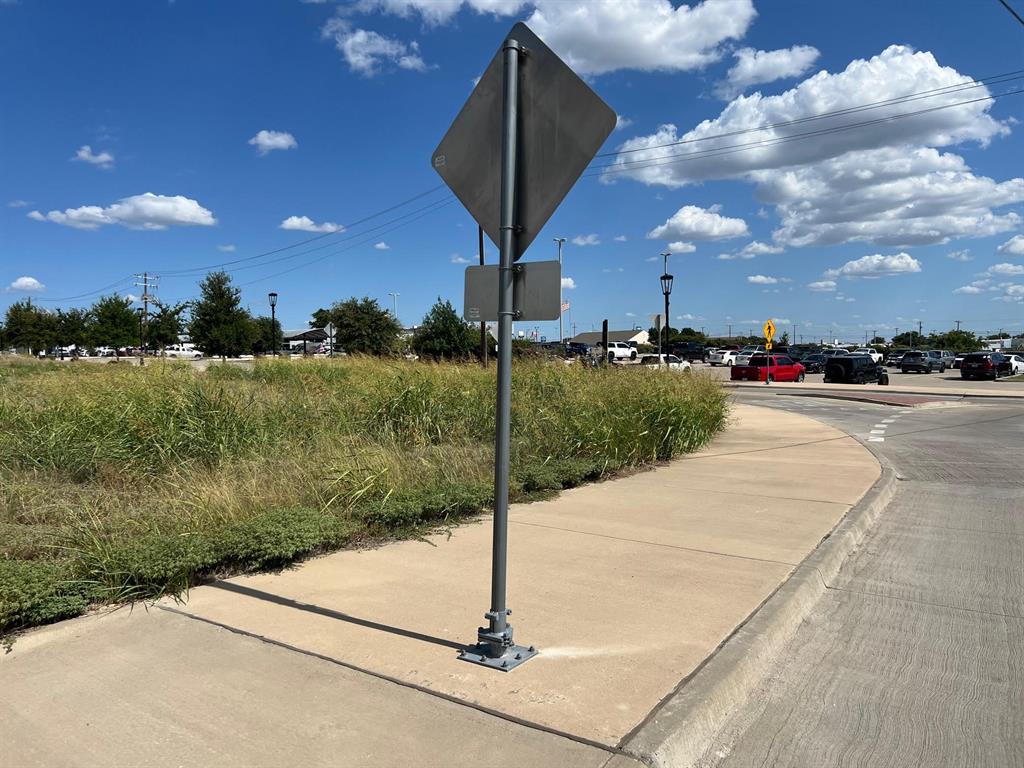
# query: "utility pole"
730,330
561,297
146,284
919,324
958,326
483,323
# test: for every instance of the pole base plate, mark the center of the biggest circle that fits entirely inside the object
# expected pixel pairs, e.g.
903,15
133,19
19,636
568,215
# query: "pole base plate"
514,656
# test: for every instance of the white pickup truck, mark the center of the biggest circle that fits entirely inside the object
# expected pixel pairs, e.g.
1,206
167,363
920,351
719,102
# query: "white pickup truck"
873,354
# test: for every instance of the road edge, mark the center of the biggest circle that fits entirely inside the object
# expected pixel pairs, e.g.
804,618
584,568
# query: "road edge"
683,727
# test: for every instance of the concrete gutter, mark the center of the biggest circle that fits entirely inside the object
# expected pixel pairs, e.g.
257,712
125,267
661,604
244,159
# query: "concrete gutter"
680,728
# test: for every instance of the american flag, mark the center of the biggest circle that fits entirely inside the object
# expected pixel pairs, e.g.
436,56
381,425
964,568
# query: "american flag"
565,306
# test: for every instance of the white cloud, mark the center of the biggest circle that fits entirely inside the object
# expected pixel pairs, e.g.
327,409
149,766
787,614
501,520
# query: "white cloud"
18,204
366,51
598,36
753,67
895,72
757,248
688,316
1013,247
568,283
877,265
622,122
382,246
457,259
227,248
969,289
268,141
26,284
762,279
962,255
590,239
130,297
889,196
605,35
678,246
631,314
694,223
822,286
306,224
1006,269
620,238
85,154
145,211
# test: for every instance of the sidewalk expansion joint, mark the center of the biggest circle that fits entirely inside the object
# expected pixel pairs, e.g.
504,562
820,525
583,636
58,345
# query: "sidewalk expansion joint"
612,750
657,543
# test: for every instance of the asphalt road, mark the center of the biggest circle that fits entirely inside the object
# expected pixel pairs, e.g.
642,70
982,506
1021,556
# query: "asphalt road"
915,655
947,380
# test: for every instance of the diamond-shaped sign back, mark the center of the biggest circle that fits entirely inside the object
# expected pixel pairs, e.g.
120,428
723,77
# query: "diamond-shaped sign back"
562,124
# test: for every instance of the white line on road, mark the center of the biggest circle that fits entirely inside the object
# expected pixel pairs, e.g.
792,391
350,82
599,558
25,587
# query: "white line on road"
877,432
876,439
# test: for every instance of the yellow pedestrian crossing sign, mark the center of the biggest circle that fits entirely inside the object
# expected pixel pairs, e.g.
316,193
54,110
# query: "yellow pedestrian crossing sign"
769,329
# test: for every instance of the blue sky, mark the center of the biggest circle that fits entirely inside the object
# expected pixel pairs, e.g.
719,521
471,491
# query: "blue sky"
174,136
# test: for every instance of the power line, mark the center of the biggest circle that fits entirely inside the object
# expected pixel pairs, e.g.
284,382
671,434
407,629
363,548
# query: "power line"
442,204
344,228
1016,15
634,165
122,281
203,270
955,88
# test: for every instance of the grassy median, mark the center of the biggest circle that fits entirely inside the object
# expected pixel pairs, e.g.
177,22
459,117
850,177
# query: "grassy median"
119,483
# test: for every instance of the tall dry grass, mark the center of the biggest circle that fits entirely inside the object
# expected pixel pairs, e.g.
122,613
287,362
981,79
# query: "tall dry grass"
119,482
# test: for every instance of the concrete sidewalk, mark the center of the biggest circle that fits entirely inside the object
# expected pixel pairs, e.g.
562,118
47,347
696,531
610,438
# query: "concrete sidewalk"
350,659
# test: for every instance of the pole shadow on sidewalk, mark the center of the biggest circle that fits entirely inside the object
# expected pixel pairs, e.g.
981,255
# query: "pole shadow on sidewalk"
331,614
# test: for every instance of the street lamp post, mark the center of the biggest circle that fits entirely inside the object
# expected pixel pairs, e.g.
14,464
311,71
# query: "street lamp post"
666,289
394,304
561,298
142,315
272,296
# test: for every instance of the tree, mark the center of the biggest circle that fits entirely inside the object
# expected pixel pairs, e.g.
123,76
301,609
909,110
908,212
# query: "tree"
784,339
361,326
73,327
263,335
878,341
443,334
219,325
165,324
908,339
28,327
957,341
114,322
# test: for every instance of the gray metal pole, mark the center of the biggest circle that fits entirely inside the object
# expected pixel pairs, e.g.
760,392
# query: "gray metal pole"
561,298
494,643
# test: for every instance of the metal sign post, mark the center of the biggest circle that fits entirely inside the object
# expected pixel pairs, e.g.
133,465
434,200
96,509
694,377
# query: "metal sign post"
550,124
769,333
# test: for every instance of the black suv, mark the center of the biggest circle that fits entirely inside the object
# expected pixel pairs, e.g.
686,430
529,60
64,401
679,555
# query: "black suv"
985,365
687,350
854,369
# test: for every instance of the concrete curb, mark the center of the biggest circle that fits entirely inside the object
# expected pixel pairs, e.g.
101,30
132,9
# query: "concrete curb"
678,732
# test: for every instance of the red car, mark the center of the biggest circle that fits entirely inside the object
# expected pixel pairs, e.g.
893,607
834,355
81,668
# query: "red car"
782,369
